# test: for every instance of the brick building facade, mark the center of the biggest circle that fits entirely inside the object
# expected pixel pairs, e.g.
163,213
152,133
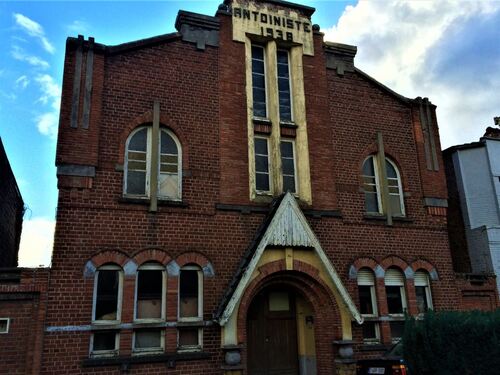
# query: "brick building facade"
11,213
238,197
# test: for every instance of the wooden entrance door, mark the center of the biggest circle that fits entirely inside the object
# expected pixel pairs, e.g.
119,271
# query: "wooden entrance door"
272,334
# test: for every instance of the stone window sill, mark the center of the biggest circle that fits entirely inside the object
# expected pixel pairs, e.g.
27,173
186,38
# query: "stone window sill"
146,202
125,361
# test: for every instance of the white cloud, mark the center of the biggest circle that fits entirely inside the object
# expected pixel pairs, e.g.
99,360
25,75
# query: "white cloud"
408,45
37,239
47,122
78,27
19,54
22,82
35,30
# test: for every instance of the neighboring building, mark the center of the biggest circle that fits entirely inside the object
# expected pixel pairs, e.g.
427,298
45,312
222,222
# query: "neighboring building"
11,213
237,197
473,174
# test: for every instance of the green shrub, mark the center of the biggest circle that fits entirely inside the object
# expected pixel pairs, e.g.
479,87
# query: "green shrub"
453,343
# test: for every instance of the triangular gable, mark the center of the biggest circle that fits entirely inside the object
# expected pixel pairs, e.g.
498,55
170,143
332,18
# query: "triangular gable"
288,227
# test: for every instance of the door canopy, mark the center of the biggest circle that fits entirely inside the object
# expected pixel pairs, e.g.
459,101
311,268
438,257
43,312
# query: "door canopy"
286,227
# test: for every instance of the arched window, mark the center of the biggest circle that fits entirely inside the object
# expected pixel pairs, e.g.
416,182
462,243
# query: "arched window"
150,290
372,183
190,308
138,164
368,305
396,301
423,291
108,286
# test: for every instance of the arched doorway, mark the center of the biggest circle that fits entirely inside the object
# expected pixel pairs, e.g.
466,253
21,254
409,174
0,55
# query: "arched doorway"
280,333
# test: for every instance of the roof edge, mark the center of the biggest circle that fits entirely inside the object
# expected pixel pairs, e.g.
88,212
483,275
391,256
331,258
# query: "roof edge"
307,10
391,92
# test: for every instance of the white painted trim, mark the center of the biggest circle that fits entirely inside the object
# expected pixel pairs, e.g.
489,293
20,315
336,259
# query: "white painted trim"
200,295
120,294
153,267
104,353
288,203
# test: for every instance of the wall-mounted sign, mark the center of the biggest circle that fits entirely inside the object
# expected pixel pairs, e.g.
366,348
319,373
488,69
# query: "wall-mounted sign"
269,21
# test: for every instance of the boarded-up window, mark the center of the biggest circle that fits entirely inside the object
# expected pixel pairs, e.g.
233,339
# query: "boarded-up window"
189,338
148,340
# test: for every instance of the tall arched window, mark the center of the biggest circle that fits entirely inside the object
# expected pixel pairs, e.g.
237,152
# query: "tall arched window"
373,187
368,305
138,164
108,286
396,301
190,338
423,291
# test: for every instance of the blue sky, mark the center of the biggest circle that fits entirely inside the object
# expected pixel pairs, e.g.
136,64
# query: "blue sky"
447,50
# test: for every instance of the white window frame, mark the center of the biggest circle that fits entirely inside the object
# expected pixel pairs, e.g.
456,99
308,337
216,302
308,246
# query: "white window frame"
150,350
109,267
269,166
104,353
198,318
400,187
152,267
190,348
264,57
7,326
290,87
427,286
149,138
376,170
402,291
373,296
292,141
371,159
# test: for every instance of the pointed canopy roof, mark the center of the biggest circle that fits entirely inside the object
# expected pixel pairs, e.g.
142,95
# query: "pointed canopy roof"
285,225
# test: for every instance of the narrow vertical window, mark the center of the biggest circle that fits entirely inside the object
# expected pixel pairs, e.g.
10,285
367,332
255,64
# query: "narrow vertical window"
168,176
259,82
395,291
190,308
4,325
284,90
395,189
368,305
107,294
150,292
287,149
262,174
137,169
423,292
370,185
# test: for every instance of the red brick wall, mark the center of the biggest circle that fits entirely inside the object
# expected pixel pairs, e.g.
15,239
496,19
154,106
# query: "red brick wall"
23,302
202,99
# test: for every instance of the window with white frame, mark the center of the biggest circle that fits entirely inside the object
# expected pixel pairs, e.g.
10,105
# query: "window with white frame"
108,289
4,325
395,292
190,307
284,86
288,166
150,292
372,184
259,82
138,164
104,343
262,165
423,291
368,305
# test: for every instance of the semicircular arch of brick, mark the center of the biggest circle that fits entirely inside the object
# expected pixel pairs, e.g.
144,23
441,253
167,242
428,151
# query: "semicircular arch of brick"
109,256
303,274
151,255
422,264
394,261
